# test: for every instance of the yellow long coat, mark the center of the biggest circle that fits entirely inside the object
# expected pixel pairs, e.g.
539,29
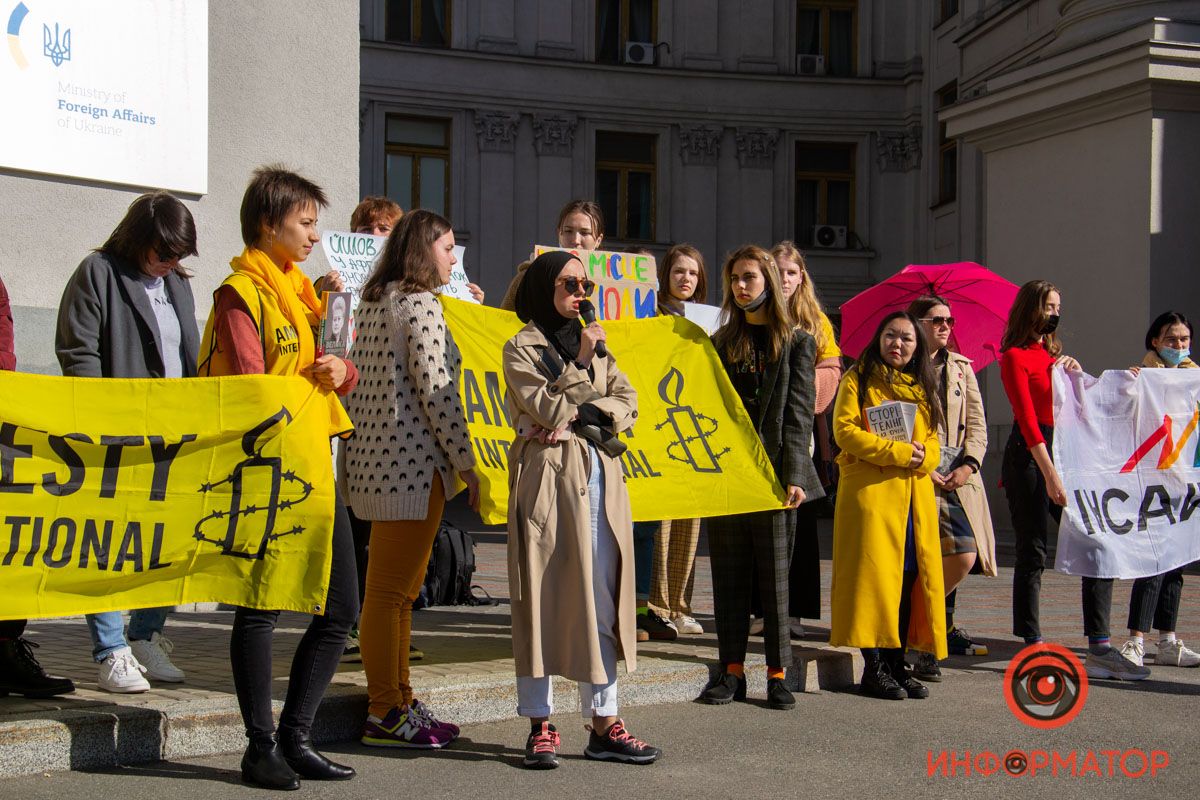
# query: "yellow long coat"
875,491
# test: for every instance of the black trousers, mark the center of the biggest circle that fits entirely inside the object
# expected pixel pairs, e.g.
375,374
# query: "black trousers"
12,628
1155,601
316,658
1032,511
744,548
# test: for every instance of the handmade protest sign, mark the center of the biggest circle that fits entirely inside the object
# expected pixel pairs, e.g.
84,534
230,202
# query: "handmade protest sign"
693,451
140,493
626,283
353,255
1128,451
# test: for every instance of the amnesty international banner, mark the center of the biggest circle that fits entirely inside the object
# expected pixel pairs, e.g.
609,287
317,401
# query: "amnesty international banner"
1129,455
123,494
693,451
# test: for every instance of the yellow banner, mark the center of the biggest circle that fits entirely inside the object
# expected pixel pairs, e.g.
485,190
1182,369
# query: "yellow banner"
693,451
121,494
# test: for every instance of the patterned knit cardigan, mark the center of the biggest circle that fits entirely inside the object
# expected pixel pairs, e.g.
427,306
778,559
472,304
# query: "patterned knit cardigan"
408,419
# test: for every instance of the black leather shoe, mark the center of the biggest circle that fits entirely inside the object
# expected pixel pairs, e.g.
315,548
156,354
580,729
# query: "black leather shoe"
264,765
778,695
301,756
725,689
911,686
877,681
20,672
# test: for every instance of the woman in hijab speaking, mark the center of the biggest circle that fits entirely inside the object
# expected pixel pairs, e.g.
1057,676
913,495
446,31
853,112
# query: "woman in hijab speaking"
570,530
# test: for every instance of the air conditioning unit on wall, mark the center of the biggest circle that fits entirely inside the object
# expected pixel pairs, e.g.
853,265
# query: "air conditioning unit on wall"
639,53
830,237
807,64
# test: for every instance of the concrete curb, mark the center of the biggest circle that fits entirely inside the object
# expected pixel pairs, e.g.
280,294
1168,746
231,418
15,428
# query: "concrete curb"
98,735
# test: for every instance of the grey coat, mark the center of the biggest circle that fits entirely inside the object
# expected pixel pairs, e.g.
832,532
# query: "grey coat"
106,327
785,417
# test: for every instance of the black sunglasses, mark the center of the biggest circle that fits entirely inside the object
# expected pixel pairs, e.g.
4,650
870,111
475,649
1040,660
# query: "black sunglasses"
572,286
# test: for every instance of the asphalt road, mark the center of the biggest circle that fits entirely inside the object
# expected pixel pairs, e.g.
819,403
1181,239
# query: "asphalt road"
832,745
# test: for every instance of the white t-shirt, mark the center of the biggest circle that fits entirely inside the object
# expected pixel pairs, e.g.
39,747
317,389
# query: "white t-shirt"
168,325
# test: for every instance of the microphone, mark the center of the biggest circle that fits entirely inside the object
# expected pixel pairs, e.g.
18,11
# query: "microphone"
587,312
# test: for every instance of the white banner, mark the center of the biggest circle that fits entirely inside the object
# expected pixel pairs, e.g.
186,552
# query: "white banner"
114,92
1128,452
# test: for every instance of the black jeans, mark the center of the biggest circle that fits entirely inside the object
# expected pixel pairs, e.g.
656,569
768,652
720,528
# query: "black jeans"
1155,601
1032,510
316,658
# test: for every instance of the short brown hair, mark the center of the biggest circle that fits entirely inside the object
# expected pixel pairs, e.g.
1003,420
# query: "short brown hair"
674,254
273,193
155,221
408,256
372,209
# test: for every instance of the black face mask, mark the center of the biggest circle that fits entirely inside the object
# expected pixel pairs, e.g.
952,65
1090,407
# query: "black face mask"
1050,325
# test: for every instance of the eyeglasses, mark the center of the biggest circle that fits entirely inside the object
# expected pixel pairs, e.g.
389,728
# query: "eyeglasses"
572,286
938,322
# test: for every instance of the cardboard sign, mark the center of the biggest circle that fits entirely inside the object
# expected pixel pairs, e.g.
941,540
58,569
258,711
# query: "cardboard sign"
626,283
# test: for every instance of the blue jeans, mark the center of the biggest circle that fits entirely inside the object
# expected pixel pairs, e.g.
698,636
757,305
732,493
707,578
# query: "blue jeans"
643,558
108,629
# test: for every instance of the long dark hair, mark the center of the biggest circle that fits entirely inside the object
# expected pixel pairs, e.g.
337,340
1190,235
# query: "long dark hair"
733,338
1027,316
920,307
919,367
1164,321
155,221
408,256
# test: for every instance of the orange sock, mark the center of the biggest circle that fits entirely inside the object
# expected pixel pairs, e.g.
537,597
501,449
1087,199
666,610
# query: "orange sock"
774,672
738,670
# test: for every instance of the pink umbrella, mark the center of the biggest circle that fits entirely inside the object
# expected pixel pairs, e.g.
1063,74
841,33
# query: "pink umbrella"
979,300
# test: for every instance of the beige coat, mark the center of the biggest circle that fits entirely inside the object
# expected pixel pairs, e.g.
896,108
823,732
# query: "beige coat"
966,427
549,533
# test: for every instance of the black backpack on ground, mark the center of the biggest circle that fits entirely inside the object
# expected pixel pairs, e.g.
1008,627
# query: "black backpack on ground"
451,567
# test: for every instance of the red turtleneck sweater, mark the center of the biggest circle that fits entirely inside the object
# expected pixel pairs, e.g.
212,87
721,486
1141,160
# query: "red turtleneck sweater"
1025,372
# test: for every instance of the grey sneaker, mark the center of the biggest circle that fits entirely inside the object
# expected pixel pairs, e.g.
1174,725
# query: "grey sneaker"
1176,654
1134,651
927,668
1114,665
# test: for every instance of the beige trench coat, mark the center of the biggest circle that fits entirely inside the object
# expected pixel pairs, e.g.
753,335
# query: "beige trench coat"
966,427
549,534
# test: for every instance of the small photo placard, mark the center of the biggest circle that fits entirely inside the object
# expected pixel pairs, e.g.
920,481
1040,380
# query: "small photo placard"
335,325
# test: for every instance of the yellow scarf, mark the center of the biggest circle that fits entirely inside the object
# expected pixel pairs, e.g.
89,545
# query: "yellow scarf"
291,288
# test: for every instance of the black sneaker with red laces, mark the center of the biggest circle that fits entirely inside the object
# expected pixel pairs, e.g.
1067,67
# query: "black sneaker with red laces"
616,744
541,748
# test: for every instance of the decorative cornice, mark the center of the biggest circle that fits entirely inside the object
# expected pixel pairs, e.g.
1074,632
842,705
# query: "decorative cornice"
756,146
496,130
699,144
898,151
554,134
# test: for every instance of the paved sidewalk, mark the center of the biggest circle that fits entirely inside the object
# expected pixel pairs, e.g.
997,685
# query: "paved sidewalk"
466,674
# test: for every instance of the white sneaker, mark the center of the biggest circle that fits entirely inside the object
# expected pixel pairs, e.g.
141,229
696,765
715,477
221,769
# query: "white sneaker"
122,673
153,656
686,625
1135,651
756,626
1176,654
1112,664
797,627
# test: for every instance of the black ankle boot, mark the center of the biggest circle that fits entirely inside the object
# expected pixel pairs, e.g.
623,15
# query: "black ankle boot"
302,757
20,672
877,681
263,765
725,689
903,674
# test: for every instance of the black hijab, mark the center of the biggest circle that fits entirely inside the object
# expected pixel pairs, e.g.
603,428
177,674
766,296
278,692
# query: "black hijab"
535,302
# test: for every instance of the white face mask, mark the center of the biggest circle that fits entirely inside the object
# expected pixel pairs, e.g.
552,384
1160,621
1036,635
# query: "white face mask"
756,303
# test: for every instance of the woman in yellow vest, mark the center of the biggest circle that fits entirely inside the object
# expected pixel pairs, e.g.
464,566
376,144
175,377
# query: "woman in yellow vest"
263,322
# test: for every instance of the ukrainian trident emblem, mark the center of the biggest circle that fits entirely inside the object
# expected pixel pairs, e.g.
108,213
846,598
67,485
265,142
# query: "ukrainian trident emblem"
55,47
692,429
239,538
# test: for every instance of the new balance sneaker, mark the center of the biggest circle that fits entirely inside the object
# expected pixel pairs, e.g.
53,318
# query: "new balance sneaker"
1112,664
796,626
120,672
403,727
1135,651
1175,654
155,655
541,748
617,744
656,627
686,625
423,711
960,644
756,626
725,689
927,668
